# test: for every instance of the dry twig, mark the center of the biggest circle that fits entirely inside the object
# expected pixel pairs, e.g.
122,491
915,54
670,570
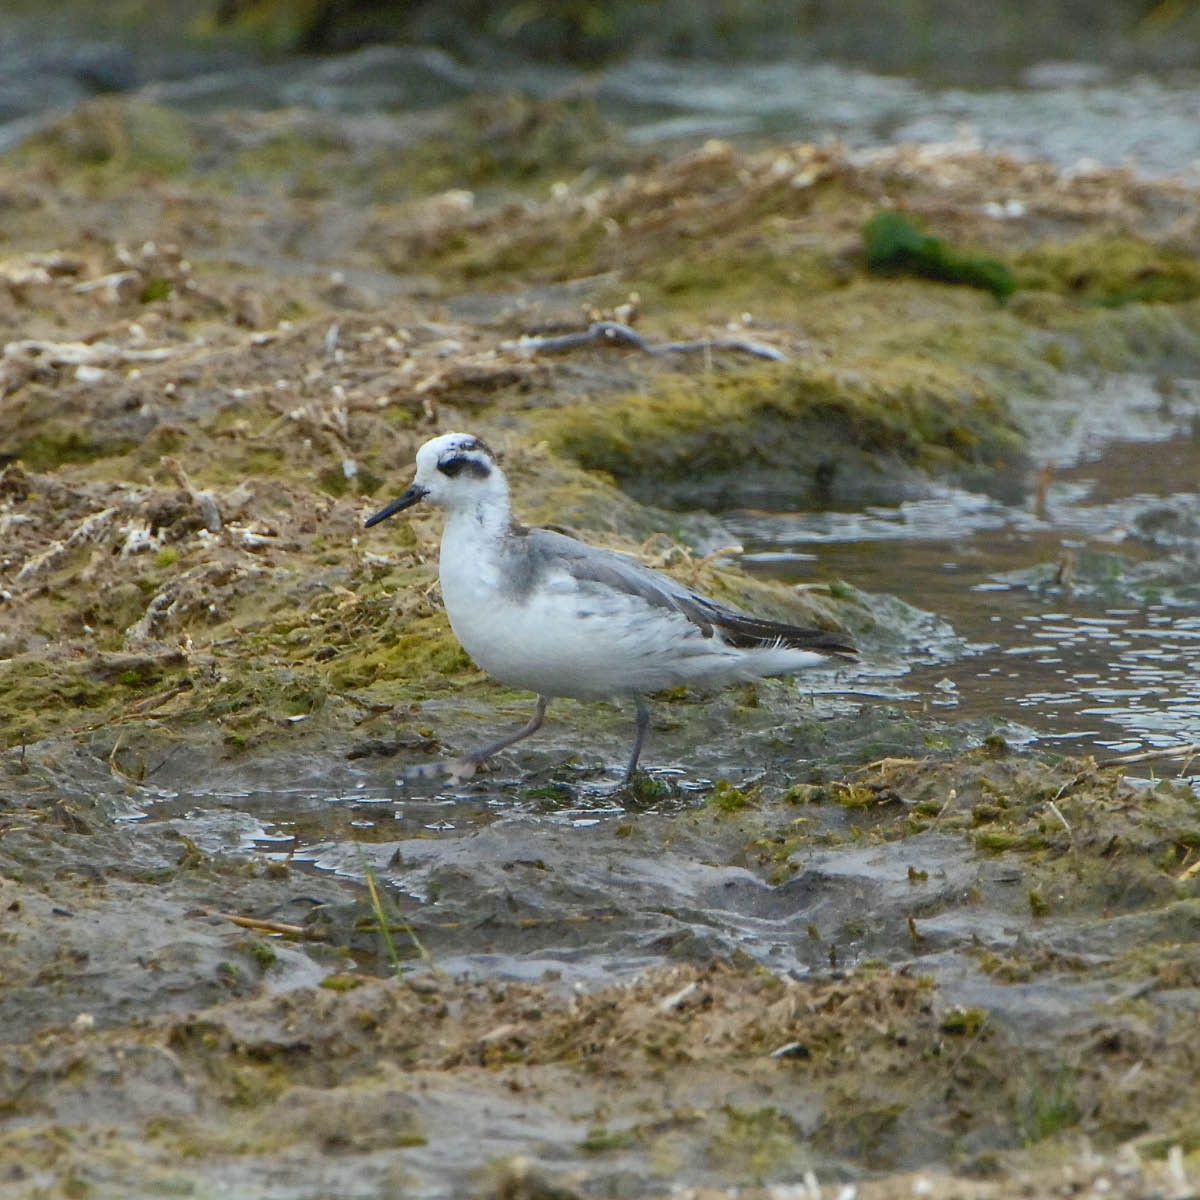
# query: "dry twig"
614,333
1188,750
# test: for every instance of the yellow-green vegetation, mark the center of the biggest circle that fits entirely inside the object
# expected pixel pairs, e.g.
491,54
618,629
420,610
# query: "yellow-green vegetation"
728,799
1046,1107
1086,839
280,614
602,1140
225,339
755,1143
796,429
495,144
1112,270
964,1022
505,140
113,141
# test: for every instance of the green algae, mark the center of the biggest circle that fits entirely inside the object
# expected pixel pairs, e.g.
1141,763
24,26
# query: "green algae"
58,442
1046,1107
727,799
755,277
895,245
964,1022
40,695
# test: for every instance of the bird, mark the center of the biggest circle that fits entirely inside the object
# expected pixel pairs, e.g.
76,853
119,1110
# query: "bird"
545,612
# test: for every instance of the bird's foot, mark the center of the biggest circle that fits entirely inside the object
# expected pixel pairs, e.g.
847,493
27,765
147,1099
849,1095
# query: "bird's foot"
458,771
461,769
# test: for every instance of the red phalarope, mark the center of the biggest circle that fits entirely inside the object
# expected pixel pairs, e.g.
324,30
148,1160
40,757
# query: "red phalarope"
539,610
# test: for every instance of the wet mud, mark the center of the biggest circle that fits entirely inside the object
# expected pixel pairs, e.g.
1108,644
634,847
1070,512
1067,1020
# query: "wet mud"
830,940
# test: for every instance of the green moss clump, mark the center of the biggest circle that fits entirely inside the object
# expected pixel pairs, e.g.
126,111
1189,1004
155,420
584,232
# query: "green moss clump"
1044,1108
422,651
259,950
727,798
895,246
999,840
342,982
741,276
156,288
602,1140
57,443
40,696
848,795
964,1022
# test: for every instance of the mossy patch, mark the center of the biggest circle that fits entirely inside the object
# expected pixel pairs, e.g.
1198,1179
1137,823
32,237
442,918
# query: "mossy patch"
728,799
1111,270
1087,841
508,139
809,433
109,139
895,245
59,443
40,695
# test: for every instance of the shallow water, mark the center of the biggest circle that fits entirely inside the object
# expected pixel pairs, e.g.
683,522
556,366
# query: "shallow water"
1080,611
1067,113
1072,114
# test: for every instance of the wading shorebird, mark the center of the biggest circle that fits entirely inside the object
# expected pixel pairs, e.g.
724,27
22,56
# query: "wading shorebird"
539,610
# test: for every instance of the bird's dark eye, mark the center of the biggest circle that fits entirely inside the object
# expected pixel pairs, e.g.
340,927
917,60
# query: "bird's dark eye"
459,463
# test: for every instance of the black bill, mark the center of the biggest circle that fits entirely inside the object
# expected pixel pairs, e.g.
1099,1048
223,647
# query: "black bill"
407,500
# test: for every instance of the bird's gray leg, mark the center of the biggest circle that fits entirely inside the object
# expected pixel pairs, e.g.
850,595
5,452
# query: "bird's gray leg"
643,723
464,768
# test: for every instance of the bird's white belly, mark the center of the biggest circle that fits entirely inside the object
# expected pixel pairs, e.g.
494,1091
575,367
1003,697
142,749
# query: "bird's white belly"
543,646
560,639
559,644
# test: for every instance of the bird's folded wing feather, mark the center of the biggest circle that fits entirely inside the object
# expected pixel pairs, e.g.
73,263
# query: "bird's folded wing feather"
584,564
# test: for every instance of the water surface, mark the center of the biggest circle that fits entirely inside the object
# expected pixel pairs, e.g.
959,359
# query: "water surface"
1080,609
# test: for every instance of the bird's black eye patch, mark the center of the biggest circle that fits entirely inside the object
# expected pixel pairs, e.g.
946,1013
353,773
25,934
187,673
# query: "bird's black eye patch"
474,467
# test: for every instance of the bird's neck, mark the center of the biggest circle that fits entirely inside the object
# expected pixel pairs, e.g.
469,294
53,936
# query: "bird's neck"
478,527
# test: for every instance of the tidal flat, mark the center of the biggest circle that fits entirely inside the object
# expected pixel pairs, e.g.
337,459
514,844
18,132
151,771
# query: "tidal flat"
838,935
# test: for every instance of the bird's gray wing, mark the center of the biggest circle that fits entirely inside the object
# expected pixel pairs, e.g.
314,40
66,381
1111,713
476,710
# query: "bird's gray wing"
549,551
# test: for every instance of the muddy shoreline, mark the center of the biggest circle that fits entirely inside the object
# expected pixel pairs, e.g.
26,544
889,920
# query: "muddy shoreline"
827,936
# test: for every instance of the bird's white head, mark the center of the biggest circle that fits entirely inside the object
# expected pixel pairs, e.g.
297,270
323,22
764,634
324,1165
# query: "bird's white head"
455,471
